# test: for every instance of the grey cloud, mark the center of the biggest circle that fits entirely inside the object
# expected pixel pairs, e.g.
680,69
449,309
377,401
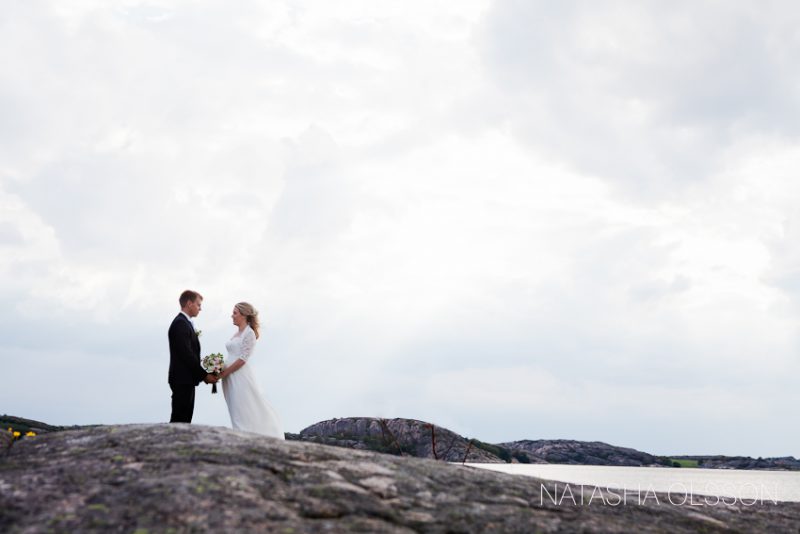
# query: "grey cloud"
784,270
657,289
101,206
10,234
316,201
645,95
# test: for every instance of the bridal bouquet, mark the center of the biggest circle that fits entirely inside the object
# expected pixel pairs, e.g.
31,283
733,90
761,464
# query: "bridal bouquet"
213,364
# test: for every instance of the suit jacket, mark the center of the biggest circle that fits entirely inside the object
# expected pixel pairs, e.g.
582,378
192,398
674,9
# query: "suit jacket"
184,353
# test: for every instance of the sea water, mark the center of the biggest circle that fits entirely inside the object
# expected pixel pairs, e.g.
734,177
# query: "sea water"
712,486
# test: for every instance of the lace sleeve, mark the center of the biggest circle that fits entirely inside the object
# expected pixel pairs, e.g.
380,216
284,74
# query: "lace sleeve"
248,344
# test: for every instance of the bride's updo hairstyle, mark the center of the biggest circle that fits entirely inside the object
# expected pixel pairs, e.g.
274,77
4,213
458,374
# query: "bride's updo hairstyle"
247,309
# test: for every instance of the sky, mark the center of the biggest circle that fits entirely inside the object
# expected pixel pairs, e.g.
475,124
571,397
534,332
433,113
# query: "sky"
516,219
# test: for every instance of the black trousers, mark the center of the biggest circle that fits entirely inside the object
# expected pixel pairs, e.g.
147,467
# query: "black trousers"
182,403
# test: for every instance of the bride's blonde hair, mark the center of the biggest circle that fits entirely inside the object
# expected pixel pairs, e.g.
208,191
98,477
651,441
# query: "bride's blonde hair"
251,314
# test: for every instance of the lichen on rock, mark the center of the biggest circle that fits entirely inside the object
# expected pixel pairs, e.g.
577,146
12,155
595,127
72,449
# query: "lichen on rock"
189,477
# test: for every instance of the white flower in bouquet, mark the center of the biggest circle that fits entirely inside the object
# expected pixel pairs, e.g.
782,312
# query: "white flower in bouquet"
214,364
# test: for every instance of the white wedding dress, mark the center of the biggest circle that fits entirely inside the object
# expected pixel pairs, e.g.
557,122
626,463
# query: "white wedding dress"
248,409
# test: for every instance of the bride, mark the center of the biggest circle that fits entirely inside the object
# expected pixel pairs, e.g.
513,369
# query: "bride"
248,409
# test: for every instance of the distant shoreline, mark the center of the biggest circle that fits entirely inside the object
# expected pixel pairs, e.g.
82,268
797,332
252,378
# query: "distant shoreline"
412,437
711,486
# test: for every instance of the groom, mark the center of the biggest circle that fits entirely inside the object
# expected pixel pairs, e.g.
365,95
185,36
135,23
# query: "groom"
185,371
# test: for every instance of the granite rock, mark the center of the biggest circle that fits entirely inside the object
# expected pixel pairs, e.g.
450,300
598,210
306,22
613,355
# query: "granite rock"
403,437
157,478
565,451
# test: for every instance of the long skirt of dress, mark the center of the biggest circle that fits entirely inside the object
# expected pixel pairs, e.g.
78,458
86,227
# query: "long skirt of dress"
249,410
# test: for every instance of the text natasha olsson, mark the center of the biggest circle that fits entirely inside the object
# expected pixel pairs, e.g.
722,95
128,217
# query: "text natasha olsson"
677,494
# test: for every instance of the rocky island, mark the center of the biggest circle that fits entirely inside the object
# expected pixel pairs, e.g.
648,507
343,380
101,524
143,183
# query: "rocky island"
420,439
402,437
157,478
411,437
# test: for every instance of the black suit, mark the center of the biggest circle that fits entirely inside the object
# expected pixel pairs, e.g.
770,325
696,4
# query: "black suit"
185,371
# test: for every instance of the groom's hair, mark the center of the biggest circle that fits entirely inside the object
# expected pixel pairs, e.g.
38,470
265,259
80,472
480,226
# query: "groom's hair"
189,296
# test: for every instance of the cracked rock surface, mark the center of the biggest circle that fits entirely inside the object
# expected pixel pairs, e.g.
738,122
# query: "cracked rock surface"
183,478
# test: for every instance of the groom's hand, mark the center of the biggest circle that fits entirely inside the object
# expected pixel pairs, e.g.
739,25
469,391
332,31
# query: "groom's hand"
210,379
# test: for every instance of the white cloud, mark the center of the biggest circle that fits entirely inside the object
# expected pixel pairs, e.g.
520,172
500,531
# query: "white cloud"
454,214
647,96
676,416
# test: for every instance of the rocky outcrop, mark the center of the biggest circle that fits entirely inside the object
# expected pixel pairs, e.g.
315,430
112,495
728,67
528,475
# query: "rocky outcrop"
403,437
157,478
29,425
410,437
564,451
6,440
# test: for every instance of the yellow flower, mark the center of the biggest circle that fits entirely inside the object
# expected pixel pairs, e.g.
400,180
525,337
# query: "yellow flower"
30,434
17,434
